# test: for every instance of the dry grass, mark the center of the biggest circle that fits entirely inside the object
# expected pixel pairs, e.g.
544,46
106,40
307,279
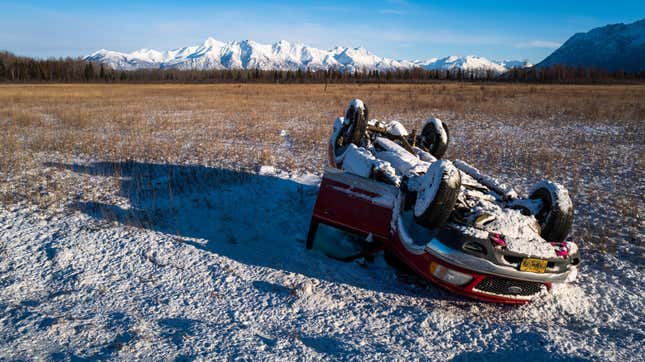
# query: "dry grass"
588,137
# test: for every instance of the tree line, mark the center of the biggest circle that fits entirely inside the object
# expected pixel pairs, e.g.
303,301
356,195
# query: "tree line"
18,69
567,74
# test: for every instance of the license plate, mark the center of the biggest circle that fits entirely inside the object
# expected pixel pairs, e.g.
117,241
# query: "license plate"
533,265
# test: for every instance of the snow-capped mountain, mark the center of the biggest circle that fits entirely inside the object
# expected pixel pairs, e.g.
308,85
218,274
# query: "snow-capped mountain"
247,54
283,55
509,64
471,62
612,47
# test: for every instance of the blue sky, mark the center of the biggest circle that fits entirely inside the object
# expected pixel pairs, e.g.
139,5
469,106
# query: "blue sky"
400,29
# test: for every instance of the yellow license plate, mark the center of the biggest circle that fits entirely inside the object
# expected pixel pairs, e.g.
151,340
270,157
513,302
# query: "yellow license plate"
533,265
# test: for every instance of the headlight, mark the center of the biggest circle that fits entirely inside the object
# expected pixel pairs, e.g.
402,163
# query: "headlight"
448,275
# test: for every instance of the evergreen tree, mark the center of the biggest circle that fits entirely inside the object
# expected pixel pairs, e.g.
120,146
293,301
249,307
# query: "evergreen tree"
88,73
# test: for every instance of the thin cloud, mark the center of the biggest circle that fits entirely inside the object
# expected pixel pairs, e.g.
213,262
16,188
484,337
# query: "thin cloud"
539,44
333,9
392,12
399,2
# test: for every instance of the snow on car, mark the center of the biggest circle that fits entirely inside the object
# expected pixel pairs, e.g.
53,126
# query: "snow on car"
388,189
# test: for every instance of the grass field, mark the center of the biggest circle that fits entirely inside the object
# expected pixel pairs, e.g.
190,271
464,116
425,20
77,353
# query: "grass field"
135,224
591,138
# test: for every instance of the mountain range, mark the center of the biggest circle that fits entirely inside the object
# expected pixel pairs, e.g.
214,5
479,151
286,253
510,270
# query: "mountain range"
283,55
613,47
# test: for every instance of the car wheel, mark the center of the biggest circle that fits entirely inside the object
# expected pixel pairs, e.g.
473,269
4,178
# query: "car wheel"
556,214
434,137
436,200
356,123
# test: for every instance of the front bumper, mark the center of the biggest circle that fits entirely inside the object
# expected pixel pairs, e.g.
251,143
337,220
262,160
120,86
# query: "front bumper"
488,281
481,286
458,258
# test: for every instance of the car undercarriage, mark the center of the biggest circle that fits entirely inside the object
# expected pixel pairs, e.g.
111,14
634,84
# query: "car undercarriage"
390,190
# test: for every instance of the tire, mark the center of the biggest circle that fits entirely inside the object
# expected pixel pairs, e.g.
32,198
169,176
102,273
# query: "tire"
434,138
356,117
435,203
556,215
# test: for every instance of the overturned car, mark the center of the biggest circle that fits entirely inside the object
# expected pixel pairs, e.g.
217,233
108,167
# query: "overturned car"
387,189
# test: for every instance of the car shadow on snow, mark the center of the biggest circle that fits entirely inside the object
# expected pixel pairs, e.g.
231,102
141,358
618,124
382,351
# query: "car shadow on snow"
252,218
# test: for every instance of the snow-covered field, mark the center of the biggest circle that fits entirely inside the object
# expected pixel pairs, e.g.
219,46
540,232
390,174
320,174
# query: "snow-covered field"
178,258
167,262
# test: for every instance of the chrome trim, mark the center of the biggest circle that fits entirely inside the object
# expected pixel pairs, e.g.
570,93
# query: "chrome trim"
507,296
451,256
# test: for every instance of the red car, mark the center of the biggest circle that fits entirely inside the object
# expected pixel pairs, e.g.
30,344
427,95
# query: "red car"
388,190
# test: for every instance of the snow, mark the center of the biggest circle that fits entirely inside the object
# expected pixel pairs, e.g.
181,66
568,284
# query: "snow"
424,156
359,161
282,55
219,271
509,64
395,128
356,104
469,62
519,231
402,161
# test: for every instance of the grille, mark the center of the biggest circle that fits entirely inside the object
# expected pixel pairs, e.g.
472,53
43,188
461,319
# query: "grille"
502,286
